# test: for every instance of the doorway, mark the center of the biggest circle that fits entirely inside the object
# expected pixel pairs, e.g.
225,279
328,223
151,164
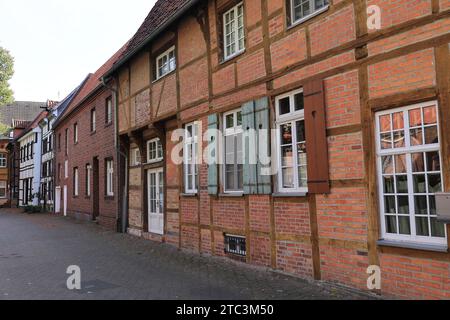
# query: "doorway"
155,196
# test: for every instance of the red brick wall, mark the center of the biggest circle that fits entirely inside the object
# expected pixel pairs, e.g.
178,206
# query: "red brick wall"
99,144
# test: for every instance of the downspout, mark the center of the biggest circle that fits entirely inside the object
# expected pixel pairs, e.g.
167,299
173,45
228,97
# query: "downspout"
123,215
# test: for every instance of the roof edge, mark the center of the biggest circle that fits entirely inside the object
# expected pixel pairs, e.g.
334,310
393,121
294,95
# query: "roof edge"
150,37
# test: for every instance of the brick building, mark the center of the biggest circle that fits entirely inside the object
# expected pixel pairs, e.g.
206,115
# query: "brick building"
85,153
362,139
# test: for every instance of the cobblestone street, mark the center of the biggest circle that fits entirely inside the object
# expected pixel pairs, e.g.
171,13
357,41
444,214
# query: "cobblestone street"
35,251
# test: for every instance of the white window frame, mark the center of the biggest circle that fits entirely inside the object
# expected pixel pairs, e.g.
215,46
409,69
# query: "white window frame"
191,145
110,178
309,16
93,120
237,129
234,31
3,185
3,160
88,180
75,182
135,157
290,118
408,150
109,115
66,169
75,133
159,156
171,66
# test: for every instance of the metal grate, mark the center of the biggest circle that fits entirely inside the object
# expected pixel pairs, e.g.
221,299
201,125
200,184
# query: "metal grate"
235,245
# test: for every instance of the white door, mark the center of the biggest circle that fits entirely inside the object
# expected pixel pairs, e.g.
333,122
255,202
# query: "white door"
155,190
58,199
65,201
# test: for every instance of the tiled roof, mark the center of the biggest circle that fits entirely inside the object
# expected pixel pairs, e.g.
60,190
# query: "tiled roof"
33,124
92,83
161,14
20,111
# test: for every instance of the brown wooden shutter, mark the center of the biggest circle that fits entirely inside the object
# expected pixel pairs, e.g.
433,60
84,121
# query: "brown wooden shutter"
316,138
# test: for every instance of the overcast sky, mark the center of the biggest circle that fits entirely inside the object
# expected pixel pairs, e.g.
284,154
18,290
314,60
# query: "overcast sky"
56,43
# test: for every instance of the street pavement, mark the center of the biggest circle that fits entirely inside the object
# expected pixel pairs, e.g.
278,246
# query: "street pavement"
36,250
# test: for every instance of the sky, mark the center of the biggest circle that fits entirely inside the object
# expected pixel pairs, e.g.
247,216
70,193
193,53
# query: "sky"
57,43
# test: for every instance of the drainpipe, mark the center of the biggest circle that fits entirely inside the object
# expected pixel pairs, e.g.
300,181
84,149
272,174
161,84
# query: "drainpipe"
123,215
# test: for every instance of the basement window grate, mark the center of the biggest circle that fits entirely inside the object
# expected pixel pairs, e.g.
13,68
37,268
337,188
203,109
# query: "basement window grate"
235,245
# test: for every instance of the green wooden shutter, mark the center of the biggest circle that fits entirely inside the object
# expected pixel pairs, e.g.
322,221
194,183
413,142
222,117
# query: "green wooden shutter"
213,177
249,167
262,124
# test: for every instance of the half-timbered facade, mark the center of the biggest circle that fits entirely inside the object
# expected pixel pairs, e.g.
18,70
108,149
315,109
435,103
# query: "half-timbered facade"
360,145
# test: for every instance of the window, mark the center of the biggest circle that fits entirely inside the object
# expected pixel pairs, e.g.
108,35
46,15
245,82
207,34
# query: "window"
75,182
235,245
66,169
301,10
108,111
75,133
154,151
233,31
3,160
109,178
66,142
2,189
93,121
409,173
190,158
165,63
291,144
135,157
88,180
233,151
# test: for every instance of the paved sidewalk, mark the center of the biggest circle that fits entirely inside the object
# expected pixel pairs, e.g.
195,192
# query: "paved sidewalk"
35,251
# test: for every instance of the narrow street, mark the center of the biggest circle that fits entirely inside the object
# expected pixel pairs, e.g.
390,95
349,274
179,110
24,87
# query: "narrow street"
36,250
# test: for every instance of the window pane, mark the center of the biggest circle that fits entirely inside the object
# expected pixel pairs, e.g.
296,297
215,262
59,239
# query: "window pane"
389,204
404,225
239,118
287,156
416,137
419,183
386,140
300,128
432,202
400,163
230,121
422,226
418,164
284,106
388,184
402,184
421,204
391,224
286,134
437,228
398,121
299,102
433,161
385,123
399,139
415,118
229,174
288,178
434,183
387,164
431,135
302,177
429,115
403,205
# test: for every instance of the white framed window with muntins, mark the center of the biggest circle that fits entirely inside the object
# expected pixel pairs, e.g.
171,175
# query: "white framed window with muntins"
154,151
233,31
233,152
409,174
191,158
135,157
291,143
302,10
165,63
109,178
3,161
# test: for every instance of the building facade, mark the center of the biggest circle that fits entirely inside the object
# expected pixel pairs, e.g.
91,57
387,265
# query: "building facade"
4,171
47,163
85,154
30,142
361,141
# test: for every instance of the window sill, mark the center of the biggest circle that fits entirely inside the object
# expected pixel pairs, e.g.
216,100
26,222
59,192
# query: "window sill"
93,132
415,246
189,195
290,195
312,15
164,76
231,195
111,198
108,124
232,57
